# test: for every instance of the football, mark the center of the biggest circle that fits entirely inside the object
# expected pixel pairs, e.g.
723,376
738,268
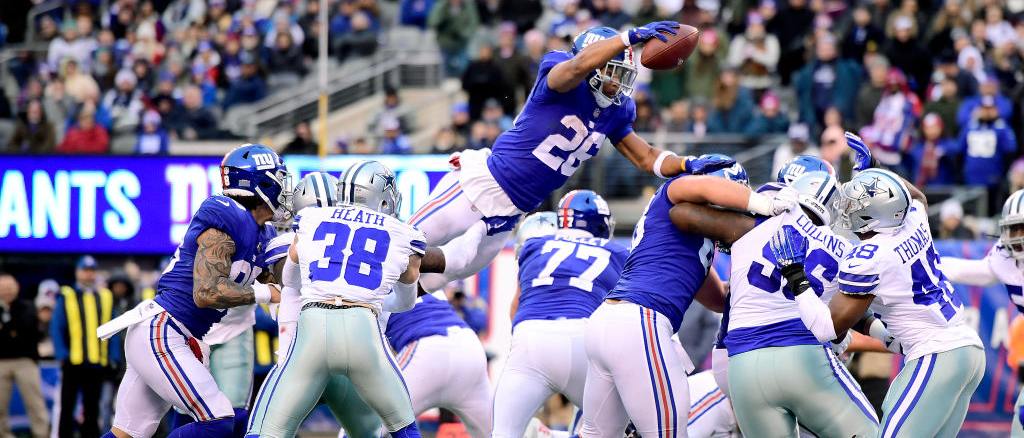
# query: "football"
666,55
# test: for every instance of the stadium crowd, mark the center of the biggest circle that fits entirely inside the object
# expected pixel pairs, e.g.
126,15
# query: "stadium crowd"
934,86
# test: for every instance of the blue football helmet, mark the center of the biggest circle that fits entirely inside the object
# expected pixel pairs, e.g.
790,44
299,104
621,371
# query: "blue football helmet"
587,211
801,164
619,71
256,170
736,172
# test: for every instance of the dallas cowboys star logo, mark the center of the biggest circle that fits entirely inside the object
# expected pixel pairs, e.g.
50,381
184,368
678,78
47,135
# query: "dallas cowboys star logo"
389,180
871,187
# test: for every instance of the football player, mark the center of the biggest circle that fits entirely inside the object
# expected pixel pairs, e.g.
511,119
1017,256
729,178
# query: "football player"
580,99
630,332
212,270
895,273
356,417
442,360
349,258
562,278
1003,264
764,323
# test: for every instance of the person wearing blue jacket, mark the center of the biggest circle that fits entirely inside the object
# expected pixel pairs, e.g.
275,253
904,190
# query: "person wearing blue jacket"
827,81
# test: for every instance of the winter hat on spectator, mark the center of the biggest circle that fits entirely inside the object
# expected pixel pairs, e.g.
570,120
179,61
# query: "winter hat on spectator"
988,101
125,76
903,23
461,107
47,293
711,6
932,119
389,124
151,117
769,101
799,132
951,209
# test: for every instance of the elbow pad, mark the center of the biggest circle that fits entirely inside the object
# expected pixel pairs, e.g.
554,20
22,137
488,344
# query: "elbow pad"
402,297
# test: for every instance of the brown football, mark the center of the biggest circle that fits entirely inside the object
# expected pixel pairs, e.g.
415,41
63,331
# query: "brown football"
666,55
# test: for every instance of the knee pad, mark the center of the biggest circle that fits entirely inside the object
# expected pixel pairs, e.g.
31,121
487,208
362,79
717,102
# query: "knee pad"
410,431
219,428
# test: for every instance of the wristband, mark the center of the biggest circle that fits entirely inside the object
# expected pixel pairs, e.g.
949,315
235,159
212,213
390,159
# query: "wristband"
624,37
796,278
878,331
261,292
658,161
759,204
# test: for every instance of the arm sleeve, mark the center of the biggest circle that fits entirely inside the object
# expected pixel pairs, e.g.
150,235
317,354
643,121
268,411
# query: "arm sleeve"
277,249
457,256
969,272
291,299
58,326
816,316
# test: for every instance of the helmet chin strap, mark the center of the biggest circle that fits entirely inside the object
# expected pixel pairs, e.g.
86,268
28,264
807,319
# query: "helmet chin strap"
603,101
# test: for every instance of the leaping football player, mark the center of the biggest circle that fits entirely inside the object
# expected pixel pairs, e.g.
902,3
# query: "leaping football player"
213,269
580,99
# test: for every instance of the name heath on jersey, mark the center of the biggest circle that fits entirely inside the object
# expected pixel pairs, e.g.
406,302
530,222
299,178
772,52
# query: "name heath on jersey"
363,217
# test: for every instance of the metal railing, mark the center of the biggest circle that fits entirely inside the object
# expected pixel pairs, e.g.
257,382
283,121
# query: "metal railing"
346,85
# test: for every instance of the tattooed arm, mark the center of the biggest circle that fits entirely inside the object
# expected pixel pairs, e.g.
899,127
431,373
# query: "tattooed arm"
211,286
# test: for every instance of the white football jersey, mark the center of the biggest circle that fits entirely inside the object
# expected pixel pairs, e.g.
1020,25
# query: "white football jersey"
1009,272
756,285
353,253
912,295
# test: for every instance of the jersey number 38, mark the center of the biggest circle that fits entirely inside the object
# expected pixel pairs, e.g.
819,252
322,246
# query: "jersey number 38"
364,265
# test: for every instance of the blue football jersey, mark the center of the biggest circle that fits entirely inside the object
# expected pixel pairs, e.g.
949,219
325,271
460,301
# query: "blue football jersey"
175,285
552,136
566,277
666,266
432,315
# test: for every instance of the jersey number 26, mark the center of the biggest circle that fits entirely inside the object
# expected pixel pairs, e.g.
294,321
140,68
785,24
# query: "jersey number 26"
578,147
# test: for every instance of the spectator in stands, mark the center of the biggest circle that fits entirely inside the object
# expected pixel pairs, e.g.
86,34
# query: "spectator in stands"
46,299
1016,175
534,42
998,31
933,159
699,125
646,117
33,134
769,119
391,109
360,41
791,25
987,144
871,91
482,80
678,118
153,140
514,65
414,12
905,52
989,87
285,64
197,122
20,334
495,114
446,142
79,86
891,130
249,87
826,81
908,9
86,136
703,67
799,144
524,13
950,16
461,122
302,143
103,68
951,226
732,104
455,22
862,36
755,54
970,62
70,45
125,105
946,106
393,141
613,15
473,310
478,136
835,151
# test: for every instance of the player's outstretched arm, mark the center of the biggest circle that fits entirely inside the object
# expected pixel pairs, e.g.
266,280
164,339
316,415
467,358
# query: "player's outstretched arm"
568,74
211,285
969,272
703,189
404,293
649,158
848,310
719,225
915,193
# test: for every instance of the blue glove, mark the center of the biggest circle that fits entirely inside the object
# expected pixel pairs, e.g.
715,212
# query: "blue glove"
706,164
862,159
789,246
643,33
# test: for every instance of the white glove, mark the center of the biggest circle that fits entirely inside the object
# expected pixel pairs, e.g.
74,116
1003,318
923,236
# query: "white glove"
782,201
841,346
878,331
